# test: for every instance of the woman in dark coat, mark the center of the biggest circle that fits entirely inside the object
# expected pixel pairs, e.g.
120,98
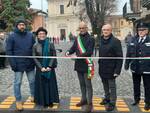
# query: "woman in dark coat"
46,90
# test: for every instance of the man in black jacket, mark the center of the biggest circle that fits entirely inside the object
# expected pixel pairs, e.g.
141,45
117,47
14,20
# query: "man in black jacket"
110,68
140,47
82,67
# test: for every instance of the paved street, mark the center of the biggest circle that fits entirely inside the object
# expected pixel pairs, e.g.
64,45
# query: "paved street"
67,79
68,82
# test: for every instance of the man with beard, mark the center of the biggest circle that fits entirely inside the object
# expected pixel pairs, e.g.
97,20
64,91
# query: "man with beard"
83,47
20,43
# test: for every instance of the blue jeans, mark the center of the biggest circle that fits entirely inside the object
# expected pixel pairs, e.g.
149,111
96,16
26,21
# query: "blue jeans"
18,82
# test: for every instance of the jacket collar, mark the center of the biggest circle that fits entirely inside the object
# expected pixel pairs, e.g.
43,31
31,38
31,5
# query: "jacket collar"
111,35
146,39
16,30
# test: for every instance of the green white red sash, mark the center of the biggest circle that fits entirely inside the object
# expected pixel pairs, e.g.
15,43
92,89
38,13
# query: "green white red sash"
89,61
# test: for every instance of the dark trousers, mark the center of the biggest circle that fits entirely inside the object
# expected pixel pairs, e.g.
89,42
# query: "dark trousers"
110,89
136,86
2,60
86,87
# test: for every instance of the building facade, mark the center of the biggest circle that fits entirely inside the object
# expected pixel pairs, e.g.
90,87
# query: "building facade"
39,19
139,10
121,27
61,19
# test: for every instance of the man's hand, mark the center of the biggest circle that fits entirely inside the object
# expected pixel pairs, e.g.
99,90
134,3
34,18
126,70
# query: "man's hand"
43,69
126,67
48,69
116,75
67,53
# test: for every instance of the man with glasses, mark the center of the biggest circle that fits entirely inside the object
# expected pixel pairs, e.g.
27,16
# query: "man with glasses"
81,65
140,68
20,43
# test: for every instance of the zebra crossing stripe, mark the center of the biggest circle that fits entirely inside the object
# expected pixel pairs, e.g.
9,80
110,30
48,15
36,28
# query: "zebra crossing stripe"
122,106
73,102
141,106
28,104
96,105
7,103
55,106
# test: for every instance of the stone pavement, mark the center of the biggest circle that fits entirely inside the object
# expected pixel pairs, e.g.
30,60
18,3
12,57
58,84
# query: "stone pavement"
68,83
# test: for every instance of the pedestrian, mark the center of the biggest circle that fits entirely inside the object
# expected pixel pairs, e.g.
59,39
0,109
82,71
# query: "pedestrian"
53,40
109,69
2,52
83,47
57,40
46,91
20,43
128,38
140,68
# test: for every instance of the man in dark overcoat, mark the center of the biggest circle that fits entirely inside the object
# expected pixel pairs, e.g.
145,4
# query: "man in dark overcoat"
109,68
140,68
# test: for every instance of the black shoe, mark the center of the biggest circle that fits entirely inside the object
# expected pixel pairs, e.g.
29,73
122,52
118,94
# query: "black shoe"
104,101
110,107
147,107
81,103
51,105
135,103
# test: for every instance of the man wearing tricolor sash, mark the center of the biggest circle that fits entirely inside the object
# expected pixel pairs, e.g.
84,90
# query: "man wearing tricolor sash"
83,47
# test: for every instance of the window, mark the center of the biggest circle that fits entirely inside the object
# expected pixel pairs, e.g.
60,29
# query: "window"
115,24
62,34
122,23
129,23
61,9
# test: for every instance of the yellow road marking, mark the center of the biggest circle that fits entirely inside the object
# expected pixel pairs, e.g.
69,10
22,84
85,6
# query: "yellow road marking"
75,108
28,104
122,106
96,105
99,108
141,106
6,104
55,107
73,102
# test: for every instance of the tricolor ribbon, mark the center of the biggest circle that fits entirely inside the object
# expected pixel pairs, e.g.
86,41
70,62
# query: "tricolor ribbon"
89,61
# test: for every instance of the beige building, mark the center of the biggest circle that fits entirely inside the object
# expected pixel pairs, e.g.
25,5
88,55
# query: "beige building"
61,19
120,26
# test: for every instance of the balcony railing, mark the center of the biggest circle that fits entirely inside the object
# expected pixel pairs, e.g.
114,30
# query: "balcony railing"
146,3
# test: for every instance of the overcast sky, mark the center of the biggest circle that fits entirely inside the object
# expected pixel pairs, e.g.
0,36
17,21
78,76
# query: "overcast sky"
37,4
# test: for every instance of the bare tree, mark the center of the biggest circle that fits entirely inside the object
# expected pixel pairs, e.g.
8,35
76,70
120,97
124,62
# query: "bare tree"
95,11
